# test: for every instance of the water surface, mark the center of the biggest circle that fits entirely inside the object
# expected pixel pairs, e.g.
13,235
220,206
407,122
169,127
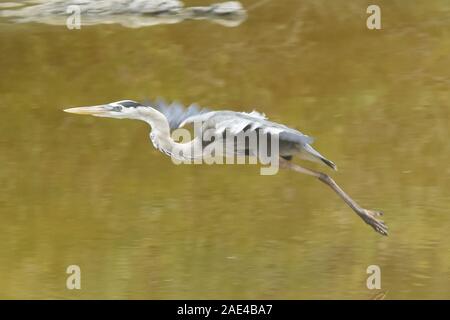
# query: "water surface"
94,192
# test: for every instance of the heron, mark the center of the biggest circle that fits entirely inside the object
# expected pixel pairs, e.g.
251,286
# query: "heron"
164,118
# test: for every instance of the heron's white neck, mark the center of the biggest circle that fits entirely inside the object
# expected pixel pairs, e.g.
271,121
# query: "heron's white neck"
162,139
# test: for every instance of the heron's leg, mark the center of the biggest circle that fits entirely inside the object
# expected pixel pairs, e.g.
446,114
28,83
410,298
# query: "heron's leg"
369,216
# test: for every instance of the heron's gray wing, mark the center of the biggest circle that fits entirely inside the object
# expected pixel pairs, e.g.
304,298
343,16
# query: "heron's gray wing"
175,112
238,122
229,124
226,124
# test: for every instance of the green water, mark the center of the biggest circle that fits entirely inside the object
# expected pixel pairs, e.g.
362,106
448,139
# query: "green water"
94,192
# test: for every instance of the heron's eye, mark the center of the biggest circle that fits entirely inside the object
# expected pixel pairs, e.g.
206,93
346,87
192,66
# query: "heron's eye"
116,108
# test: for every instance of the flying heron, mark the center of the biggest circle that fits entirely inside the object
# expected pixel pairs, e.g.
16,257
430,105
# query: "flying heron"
163,118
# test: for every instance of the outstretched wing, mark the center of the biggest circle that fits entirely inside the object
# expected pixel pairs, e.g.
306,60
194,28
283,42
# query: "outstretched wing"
239,122
175,112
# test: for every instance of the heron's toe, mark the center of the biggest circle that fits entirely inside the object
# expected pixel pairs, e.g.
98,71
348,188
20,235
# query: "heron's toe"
378,225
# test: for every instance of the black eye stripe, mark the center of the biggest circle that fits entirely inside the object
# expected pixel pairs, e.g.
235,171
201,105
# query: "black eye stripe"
129,104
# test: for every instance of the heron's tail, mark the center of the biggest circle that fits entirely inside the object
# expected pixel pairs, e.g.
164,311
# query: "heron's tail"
309,153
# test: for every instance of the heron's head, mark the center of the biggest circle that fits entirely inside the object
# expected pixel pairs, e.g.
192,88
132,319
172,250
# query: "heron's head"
124,109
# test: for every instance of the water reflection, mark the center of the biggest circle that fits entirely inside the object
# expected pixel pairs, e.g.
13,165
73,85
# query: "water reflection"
95,193
128,13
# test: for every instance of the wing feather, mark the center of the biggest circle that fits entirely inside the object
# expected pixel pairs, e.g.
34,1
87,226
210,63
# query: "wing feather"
175,112
221,121
237,122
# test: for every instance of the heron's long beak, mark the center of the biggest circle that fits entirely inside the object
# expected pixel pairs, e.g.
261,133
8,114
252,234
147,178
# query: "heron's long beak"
98,111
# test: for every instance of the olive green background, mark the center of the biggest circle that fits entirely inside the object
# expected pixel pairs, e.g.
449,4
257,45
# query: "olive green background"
95,193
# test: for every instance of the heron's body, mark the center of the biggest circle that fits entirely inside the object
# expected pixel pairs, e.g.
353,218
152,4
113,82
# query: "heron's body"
164,118
291,141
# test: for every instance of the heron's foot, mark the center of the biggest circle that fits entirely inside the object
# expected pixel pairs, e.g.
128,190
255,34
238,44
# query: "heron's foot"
369,217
